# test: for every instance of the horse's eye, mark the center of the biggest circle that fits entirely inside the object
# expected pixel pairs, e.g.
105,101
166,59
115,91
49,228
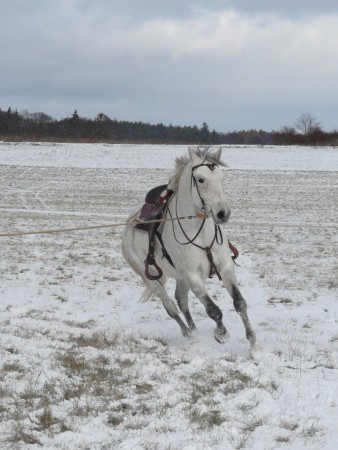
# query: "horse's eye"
201,180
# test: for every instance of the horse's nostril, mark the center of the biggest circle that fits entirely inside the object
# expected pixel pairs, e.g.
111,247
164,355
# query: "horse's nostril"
221,215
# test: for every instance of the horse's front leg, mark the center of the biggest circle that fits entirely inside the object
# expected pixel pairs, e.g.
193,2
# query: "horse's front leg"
230,283
241,307
213,311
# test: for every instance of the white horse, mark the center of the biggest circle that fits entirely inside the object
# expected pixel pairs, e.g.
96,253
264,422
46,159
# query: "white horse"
196,247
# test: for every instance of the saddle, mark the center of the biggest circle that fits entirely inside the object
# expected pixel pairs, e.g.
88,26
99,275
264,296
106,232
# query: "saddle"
156,203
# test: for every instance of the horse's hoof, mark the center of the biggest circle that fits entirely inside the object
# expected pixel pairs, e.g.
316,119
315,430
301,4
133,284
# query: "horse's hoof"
221,337
187,333
256,352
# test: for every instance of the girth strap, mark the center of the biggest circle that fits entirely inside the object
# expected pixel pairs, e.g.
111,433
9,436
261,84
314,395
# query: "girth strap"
150,259
165,254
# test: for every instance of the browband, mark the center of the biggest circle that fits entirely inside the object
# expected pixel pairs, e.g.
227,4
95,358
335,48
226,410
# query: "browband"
210,165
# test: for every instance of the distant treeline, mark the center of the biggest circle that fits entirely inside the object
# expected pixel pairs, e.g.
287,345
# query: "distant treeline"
39,126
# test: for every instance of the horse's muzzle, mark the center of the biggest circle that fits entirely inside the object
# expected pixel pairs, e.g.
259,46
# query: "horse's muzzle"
222,216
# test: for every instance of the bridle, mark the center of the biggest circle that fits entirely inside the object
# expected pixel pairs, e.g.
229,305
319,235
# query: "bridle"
218,237
195,184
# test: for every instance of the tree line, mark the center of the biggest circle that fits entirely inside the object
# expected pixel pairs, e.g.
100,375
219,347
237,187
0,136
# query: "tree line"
23,125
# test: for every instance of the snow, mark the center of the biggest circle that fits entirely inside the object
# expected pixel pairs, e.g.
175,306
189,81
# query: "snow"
158,156
85,366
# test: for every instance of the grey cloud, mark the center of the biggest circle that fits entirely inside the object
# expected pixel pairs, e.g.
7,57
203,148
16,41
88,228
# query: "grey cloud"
187,67
149,9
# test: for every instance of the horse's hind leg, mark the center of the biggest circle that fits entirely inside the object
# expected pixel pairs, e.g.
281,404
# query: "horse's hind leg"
132,254
181,295
169,306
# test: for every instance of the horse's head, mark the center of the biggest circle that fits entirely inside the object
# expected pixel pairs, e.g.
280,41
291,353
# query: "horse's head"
207,186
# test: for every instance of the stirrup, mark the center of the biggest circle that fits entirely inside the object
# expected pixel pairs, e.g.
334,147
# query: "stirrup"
150,261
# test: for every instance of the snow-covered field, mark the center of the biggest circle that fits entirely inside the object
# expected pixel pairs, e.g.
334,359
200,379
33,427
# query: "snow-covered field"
85,366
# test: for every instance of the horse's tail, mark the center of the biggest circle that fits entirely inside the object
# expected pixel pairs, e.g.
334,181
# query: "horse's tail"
130,261
148,294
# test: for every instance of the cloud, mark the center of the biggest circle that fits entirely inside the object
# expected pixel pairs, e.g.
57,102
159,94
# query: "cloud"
143,10
189,65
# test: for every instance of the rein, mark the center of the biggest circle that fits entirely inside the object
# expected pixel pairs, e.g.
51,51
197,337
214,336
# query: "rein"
92,227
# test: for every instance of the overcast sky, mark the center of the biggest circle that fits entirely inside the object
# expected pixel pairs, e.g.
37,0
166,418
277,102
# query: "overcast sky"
235,64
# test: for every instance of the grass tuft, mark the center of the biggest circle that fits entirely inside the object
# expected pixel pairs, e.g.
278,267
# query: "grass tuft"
206,420
19,435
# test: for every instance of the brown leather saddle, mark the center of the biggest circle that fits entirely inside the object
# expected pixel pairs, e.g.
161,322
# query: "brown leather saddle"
156,203
154,206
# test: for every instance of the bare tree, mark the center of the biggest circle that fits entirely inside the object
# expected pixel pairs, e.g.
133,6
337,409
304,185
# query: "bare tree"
307,124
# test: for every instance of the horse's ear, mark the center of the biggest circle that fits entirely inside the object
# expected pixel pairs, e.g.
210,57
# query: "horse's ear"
194,158
219,154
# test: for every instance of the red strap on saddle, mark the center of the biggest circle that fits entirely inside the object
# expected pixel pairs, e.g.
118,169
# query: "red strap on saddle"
234,251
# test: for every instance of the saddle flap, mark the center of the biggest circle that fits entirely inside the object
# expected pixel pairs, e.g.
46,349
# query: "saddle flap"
150,212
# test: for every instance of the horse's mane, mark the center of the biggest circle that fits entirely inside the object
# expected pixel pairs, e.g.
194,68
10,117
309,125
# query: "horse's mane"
181,162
